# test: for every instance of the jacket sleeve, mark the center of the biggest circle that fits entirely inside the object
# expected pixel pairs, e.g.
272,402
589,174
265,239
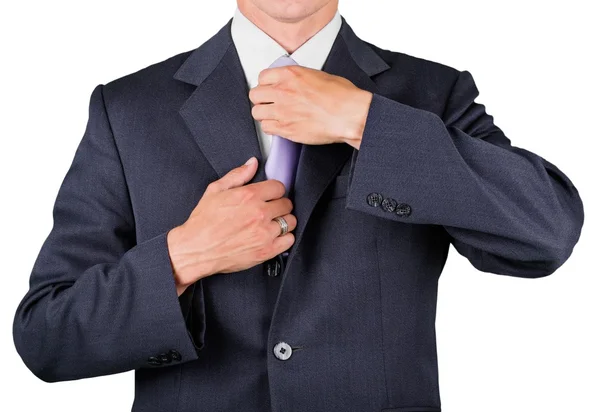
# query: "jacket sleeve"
507,210
98,303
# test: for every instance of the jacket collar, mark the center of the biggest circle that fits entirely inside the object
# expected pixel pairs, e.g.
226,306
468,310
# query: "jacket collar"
203,60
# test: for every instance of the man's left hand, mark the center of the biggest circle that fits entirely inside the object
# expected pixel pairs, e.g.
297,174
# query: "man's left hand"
310,106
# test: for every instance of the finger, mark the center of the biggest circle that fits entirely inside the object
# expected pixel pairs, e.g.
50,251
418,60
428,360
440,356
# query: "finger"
278,207
273,75
265,111
275,228
235,177
270,126
264,94
269,189
283,243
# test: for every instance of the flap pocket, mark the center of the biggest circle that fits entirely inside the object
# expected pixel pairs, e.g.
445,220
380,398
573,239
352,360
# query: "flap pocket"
339,187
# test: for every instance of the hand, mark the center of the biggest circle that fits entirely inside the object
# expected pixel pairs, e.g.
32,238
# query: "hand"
231,228
310,106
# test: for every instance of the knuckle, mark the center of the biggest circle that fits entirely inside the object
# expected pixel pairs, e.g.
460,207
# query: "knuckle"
213,186
260,235
284,123
280,93
294,74
280,187
269,126
274,111
240,194
261,76
245,192
279,85
282,89
263,254
292,220
291,70
259,215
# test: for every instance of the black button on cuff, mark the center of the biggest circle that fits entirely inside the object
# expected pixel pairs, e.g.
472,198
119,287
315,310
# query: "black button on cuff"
164,358
153,360
403,210
374,199
389,204
176,356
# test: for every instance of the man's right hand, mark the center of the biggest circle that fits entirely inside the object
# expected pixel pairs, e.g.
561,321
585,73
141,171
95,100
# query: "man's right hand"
231,228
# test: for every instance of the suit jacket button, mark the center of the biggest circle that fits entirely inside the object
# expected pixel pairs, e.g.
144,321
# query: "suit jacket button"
374,199
153,360
176,356
282,351
164,358
403,210
388,204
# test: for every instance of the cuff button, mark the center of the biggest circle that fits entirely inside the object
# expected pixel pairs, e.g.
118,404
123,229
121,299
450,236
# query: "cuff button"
403,210
153,360
164,358
176,356
388,204
374,199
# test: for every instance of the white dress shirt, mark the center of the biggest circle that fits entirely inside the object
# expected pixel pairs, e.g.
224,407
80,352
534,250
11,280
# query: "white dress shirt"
257,51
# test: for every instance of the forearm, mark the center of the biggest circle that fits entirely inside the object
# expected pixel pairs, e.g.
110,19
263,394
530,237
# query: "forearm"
507,209
110,318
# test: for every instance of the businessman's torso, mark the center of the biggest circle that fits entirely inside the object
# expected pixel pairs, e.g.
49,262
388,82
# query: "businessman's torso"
357,298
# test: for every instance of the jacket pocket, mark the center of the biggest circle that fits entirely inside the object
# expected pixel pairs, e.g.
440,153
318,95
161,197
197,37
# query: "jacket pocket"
339,187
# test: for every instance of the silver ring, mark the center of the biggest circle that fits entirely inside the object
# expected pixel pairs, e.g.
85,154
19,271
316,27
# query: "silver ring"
283,224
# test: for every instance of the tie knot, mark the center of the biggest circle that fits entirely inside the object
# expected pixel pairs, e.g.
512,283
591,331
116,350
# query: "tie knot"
284,60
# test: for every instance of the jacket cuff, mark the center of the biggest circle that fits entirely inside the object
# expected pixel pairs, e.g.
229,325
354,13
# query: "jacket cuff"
385,173
177,333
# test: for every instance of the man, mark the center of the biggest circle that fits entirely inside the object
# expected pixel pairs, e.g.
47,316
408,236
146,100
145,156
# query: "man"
171,258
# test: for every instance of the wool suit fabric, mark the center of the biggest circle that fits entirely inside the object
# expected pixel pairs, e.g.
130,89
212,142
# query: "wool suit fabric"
357,298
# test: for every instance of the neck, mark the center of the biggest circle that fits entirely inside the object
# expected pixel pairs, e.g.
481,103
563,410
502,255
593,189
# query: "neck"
290,33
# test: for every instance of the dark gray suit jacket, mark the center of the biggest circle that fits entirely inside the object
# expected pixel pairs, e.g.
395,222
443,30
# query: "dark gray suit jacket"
357,299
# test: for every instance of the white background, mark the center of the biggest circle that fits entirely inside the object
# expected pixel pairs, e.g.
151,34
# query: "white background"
504,344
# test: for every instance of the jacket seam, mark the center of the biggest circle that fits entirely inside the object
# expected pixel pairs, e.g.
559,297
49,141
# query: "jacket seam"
114,140
387,395
450,93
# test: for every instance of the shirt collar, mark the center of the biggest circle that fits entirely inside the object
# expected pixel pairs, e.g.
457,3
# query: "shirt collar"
257,50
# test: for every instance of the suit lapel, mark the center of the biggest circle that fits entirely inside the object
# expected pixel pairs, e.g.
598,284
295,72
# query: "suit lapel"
218,114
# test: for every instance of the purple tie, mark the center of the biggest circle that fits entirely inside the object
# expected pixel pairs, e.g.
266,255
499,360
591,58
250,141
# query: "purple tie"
282,161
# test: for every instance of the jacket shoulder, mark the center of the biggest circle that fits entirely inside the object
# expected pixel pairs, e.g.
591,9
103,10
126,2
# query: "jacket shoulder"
148,92
155,79
416,81
414,64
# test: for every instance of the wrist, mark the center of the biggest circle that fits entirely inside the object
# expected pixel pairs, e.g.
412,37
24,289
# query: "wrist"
184,262
354,133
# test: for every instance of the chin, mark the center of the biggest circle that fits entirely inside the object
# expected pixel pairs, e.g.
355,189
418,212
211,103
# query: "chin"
290,11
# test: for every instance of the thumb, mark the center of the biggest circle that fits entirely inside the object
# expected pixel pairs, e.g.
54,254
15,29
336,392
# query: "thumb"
238,176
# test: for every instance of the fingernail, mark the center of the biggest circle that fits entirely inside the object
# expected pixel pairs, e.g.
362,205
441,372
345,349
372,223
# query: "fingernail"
250,160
